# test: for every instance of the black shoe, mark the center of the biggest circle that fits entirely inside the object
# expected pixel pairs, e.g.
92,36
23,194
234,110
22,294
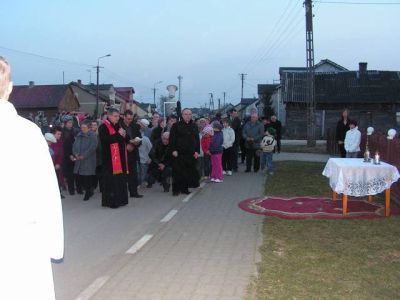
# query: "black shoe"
166,188
71,193
247,171
175,193
186,192
149,185
80,192
88,194
255,171
136,196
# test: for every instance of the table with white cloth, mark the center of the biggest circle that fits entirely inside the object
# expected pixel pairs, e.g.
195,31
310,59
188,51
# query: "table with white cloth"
354,177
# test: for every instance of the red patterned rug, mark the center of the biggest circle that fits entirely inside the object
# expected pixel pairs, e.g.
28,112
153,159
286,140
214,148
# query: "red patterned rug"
314,208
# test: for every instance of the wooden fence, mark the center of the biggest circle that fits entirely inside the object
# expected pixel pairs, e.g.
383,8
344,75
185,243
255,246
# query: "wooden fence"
389,151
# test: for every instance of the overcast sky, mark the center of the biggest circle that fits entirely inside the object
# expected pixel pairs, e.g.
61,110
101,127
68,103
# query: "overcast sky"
207,42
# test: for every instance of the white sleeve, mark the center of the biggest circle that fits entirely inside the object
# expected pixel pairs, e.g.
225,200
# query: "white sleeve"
51,213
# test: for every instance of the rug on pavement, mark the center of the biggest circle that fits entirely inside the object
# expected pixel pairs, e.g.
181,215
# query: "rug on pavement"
314,208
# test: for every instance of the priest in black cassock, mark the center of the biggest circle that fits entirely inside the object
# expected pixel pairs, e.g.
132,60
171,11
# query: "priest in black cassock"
184,144
115,163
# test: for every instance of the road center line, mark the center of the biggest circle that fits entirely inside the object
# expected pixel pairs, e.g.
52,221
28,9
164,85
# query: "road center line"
169,216
93,288
139,244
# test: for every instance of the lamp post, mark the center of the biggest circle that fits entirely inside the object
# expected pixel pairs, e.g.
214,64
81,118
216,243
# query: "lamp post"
154,91
96,111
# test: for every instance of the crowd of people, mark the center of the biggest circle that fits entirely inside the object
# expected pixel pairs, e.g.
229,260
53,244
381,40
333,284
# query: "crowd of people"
122,153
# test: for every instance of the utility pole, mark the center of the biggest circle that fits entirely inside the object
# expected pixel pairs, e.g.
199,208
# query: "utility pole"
224,98
179,87
154,91
219,103
211,103
242,76
90,76
311,105
96,110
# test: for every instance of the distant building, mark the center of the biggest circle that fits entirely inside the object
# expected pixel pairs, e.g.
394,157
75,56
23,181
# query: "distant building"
373,97
48,98
74,96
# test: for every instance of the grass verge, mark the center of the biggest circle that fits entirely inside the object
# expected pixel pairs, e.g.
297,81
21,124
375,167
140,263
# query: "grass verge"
318,149
324,259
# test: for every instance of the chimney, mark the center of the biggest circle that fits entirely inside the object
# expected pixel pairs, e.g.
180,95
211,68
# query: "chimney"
362,68
79,81
31,83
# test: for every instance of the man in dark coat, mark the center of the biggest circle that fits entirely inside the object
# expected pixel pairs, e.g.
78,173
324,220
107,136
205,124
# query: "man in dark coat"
185,148
115,165
132,132
343,125
160,167
277,125
68,136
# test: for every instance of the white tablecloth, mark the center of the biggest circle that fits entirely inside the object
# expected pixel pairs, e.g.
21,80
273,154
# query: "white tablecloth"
354,177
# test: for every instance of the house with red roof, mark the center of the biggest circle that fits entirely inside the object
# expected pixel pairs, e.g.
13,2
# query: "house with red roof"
50,98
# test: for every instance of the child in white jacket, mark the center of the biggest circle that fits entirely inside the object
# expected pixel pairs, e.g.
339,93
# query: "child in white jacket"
227,155
352,140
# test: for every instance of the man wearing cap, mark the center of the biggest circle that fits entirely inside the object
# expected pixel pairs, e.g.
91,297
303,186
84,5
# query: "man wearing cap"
185,147
31,223
253,132
68,136
115,161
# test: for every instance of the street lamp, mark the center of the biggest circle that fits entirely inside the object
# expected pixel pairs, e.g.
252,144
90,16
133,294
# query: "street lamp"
96,111
154,91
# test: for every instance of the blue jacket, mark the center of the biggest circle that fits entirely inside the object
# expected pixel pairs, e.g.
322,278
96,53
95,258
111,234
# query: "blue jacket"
216,143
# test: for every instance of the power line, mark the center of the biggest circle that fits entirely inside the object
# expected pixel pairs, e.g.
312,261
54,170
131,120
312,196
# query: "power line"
261,48
46,57
281,22
358,3
282,35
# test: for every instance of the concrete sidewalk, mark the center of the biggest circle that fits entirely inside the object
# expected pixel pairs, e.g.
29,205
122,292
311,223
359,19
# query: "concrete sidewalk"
207,251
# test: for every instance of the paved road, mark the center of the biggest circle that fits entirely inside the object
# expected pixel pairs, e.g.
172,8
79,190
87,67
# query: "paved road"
205,248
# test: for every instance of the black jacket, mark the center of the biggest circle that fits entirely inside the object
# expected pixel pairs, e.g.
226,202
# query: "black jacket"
341,130
236,125
184,138
277,125
131,132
